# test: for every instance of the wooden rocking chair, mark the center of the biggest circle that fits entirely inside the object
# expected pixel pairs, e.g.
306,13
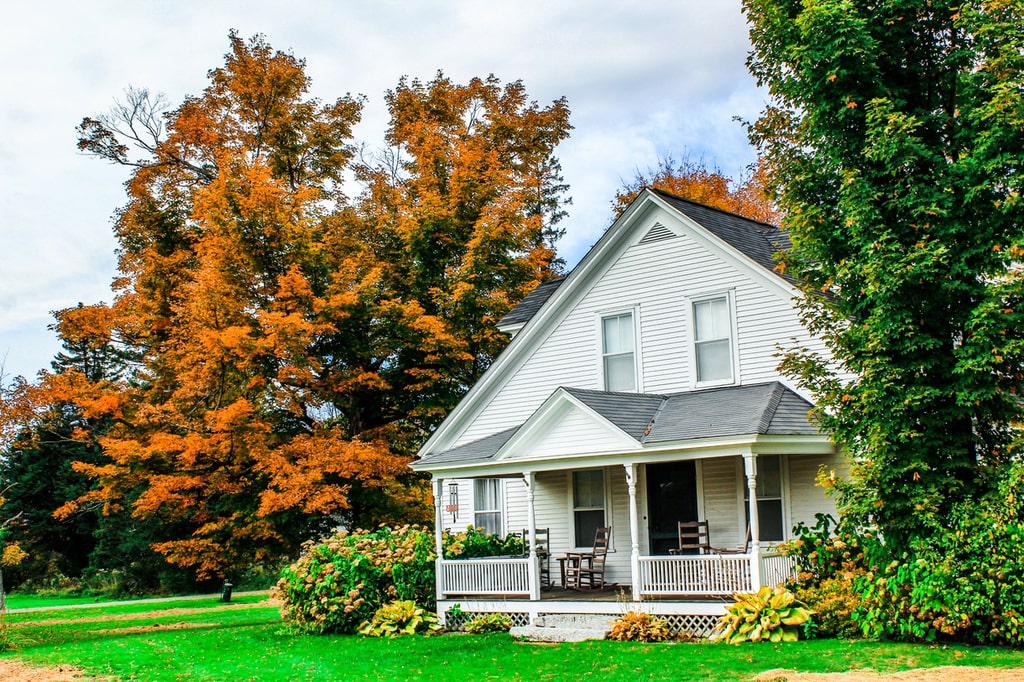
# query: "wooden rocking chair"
693,538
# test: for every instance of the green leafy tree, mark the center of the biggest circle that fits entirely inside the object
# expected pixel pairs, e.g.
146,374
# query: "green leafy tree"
894,134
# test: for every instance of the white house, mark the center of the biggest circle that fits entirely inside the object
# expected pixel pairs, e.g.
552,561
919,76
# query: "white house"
638,392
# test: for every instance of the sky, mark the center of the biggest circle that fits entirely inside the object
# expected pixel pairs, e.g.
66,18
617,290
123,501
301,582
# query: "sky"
643,81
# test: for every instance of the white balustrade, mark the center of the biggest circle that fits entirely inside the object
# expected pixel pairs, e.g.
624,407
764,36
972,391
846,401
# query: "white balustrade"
776,568
498,576
698,575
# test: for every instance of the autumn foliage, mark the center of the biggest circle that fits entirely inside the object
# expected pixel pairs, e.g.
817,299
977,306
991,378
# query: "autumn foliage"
693,180
289,344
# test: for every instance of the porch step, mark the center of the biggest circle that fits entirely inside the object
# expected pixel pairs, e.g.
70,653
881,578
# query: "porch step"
565,628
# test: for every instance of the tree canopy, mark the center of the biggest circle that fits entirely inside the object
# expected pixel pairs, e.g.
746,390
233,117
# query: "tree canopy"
694,180
894,134
292,344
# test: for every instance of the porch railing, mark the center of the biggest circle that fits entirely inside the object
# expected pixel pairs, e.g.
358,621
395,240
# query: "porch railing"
712,575
776,568
497,576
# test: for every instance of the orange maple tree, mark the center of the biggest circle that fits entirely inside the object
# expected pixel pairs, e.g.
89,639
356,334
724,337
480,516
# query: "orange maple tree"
291,346
693,180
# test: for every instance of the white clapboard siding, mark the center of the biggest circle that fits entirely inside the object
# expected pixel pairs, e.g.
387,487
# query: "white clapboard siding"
464,517
658,280
722,504
550,504
806,498
516,512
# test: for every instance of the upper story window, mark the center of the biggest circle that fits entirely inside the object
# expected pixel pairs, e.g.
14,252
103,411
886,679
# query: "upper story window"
487,505
712,336
618,352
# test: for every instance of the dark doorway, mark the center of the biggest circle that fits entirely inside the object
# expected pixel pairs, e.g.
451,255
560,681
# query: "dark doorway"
671,497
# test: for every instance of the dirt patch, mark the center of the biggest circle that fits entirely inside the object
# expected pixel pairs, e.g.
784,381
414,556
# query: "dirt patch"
141,616
941,674
156,627
15,671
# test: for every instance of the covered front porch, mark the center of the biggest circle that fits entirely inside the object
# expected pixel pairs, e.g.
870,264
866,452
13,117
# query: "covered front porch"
683,584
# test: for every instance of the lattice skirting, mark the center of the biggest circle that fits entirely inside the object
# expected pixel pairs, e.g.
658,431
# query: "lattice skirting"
456,622
700,626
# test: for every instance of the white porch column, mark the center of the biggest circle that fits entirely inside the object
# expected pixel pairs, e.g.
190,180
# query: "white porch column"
438,534
634,530
533,578
750,469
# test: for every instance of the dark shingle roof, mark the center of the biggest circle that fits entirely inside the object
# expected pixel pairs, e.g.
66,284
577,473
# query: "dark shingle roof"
758,241
766,409
732,411
631,412
529,306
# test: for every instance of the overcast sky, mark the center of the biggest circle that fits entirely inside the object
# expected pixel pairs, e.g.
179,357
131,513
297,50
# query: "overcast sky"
665,77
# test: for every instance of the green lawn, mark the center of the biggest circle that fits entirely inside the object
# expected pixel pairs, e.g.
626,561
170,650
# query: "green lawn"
246,641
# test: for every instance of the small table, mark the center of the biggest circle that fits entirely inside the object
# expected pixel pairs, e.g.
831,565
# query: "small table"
569,567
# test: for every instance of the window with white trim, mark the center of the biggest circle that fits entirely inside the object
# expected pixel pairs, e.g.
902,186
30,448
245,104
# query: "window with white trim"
588,505
770,518
712,339
618,352
487,505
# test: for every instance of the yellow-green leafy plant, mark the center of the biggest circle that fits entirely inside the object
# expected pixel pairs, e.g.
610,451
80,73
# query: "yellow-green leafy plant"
771,615
489,622
400,618
640,627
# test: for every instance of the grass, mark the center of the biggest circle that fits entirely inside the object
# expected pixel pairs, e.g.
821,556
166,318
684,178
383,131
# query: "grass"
246,641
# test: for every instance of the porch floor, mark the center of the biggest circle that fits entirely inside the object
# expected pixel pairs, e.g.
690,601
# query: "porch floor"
613,593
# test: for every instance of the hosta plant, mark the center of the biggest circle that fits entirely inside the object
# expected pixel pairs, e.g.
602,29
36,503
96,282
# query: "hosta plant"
489,622
640,627
771,615
400,618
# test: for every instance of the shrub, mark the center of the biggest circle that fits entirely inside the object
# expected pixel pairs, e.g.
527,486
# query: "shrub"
639,627
770,615
339,583
400,618
965,583
827,550
489,622
475,543
833,602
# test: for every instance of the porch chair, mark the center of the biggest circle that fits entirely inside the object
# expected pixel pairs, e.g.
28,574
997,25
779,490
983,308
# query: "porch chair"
585,570
542,539
744,550
693,538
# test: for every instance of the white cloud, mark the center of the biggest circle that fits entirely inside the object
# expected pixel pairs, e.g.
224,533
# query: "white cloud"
642,80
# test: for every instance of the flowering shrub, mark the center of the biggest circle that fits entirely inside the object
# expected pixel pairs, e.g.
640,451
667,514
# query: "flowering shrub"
474,543
834,601
822,554
339,583
639,627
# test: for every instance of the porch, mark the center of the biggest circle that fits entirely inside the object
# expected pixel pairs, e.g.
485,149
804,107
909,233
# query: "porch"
690,577
693,590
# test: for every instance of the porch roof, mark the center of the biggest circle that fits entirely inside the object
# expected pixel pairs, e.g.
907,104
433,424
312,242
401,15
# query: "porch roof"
770,409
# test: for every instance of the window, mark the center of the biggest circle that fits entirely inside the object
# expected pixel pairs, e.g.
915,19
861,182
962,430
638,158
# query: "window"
587,505
487,504
712,335
769,499
617,352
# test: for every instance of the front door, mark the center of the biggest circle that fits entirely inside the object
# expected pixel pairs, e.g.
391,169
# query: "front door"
671,498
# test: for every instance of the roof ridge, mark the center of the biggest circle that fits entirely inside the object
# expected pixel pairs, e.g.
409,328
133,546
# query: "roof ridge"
772,406
654,419
715,208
